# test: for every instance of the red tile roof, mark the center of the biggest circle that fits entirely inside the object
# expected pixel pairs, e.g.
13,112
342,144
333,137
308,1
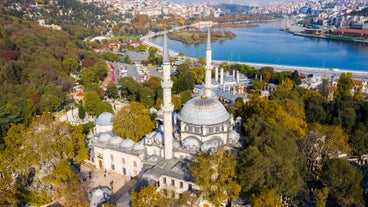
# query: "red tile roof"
347,30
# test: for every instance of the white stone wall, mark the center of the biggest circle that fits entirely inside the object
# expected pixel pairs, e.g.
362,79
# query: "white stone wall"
100,128
117,161
182,155
154,150
223,136
176,185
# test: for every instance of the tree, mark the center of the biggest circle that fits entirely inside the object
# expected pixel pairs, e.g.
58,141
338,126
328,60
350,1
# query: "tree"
267,198
110,56
320,196
81,111
133,121
71,65
214,173
103,106
185,96
147,196
185,79
146,96
33,157
343,181
295,77
112,91
270,159
344,87
177,102
90,102
292,119
198,74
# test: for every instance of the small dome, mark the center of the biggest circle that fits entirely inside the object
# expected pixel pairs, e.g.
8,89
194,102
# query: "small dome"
127,143
105,137
105,119
153,110
115,141
139,145
191,141
204,111
211,145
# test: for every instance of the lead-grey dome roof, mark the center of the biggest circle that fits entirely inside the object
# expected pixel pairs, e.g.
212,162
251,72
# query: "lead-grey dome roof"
105,119
204,111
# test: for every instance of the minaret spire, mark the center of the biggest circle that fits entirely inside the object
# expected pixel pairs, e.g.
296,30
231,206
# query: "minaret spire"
167,106
208,65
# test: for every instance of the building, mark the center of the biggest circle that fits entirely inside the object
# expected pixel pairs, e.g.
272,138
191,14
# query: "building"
162,157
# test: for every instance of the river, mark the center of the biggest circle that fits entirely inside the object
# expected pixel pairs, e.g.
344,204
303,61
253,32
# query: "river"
267,44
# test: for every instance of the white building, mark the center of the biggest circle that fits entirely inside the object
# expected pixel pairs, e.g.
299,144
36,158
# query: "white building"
162,157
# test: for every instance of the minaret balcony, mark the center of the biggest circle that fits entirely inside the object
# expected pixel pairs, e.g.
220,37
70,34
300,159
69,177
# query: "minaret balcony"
166,84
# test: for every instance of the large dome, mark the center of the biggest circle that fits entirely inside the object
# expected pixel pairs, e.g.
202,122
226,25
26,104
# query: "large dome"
204,111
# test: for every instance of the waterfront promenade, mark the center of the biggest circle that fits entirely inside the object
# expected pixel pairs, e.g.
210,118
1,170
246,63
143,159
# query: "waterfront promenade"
277,67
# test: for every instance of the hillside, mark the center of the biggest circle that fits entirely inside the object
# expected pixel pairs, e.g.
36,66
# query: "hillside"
36,63
78,19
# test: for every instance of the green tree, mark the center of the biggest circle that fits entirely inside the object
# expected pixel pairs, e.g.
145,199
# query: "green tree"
185,96
270,160
81,111
267,198
214,173
147,196
71,65
112,91
133,121
103,106
344,182
344,87
320,196
146,96
110,56
296,78
184,80
90,102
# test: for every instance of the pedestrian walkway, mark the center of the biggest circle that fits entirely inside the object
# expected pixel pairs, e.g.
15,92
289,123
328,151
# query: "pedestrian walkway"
94,178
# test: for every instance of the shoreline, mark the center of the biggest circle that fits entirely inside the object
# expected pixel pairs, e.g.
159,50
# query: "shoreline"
359,74
327,37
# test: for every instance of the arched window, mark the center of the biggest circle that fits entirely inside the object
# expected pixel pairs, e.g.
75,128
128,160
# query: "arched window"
135,164
112,157
123,160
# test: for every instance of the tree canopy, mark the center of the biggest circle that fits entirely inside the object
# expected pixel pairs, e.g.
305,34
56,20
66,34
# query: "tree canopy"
133,121
41,173
214,173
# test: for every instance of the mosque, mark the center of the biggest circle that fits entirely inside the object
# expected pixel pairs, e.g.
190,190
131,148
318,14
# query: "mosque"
162,157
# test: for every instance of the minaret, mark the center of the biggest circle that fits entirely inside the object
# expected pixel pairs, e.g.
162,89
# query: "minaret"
167,106
208,67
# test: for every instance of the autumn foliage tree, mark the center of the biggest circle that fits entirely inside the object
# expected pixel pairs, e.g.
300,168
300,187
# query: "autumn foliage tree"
37,174
133,121
214,173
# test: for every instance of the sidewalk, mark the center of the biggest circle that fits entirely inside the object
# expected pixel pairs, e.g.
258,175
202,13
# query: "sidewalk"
99,178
